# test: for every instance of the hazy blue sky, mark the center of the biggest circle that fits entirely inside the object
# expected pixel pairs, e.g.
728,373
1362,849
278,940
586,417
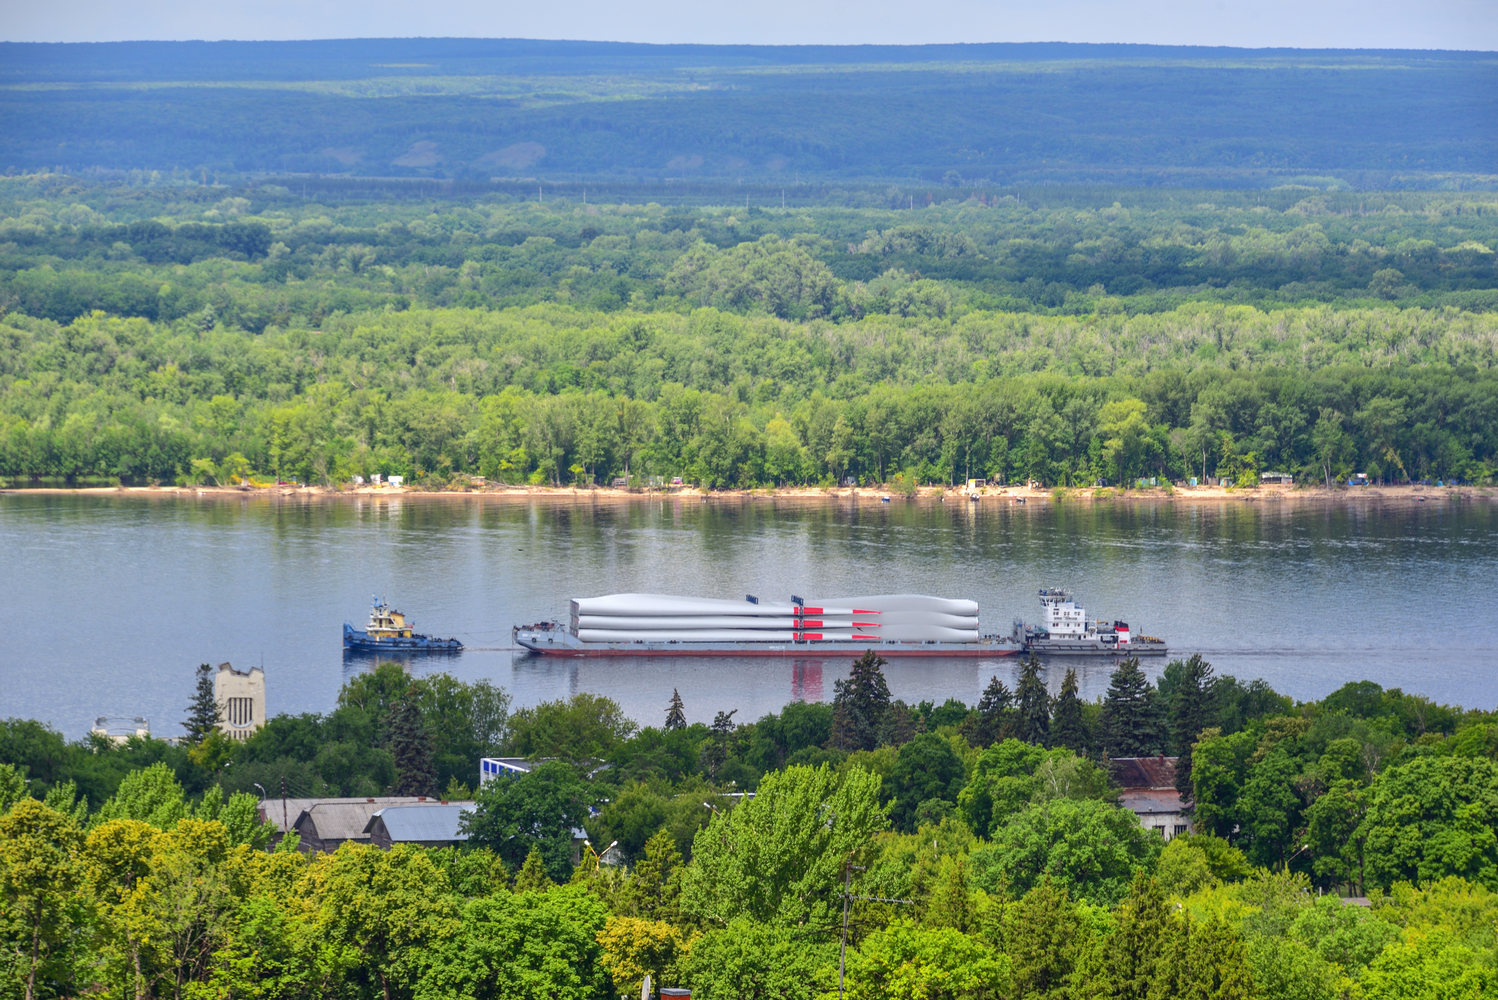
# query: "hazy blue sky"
1458,24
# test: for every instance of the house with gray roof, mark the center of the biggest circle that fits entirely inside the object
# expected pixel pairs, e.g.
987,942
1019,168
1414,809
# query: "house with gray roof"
431,824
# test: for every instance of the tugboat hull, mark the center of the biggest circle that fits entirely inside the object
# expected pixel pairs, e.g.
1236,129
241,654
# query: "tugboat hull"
363,642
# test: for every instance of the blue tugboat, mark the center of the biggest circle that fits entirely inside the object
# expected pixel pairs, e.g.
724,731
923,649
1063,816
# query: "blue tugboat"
389,632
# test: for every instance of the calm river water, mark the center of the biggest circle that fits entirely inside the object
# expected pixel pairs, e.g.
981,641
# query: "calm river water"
110,602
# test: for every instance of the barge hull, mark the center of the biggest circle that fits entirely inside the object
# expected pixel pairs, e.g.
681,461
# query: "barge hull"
970,650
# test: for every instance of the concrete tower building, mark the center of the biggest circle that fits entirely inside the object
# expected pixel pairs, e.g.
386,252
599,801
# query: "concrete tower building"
241,700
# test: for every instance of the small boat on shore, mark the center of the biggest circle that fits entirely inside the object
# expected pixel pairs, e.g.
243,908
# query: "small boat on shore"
388,631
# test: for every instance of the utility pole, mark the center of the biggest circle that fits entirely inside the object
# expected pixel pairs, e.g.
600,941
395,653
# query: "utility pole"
842,957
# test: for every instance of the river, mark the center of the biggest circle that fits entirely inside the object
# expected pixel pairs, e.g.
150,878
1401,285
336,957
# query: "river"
111,601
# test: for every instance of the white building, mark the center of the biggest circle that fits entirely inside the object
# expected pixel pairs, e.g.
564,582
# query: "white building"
1147,788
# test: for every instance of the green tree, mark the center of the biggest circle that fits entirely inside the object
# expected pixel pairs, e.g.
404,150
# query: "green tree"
860,705
380,914
1431,817
202,711
994,714
151,795
653,889
1045,940
536,946
1218,770
1185,687
1132,959
676,716
1207,960
41,872
1068,725
1131,719
779,856
1270,810
1033,724
715,750
411,748
926,770
585,727
1092,849
748,960
905,960
535,810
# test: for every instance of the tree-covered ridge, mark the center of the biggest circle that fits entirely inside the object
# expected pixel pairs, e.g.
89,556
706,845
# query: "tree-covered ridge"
977,865
958,115
261,256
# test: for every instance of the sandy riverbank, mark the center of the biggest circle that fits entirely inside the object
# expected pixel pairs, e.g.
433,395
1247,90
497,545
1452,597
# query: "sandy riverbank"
990,495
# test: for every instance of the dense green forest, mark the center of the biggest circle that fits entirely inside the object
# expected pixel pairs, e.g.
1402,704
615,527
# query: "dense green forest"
959,116
979,851
209,334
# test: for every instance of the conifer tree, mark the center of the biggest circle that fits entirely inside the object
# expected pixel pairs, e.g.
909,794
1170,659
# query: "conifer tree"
993,713
653,891
1131,721
411,747
1068,727
715,750
1188,704
532,876
860,705
1033,724
1046,937
1208,960
1132,961
202,711
676,716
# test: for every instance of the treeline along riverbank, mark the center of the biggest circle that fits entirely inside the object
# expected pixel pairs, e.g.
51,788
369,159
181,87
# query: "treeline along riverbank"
1025,339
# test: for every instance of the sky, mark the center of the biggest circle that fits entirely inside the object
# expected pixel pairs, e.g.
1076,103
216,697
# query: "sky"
1405,24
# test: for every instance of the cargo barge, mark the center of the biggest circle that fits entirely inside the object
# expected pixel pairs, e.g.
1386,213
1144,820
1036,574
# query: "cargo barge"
889,624
663,625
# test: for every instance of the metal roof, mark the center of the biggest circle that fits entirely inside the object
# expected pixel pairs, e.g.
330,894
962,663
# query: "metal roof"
1143,772
427,823
272,812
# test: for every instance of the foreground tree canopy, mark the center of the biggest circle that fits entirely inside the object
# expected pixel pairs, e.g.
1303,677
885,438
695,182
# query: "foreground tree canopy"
971,863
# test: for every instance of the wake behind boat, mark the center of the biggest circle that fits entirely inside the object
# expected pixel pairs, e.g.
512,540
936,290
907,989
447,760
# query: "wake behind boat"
388,631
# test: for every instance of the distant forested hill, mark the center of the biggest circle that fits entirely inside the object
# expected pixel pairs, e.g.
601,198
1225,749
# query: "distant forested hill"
963,116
